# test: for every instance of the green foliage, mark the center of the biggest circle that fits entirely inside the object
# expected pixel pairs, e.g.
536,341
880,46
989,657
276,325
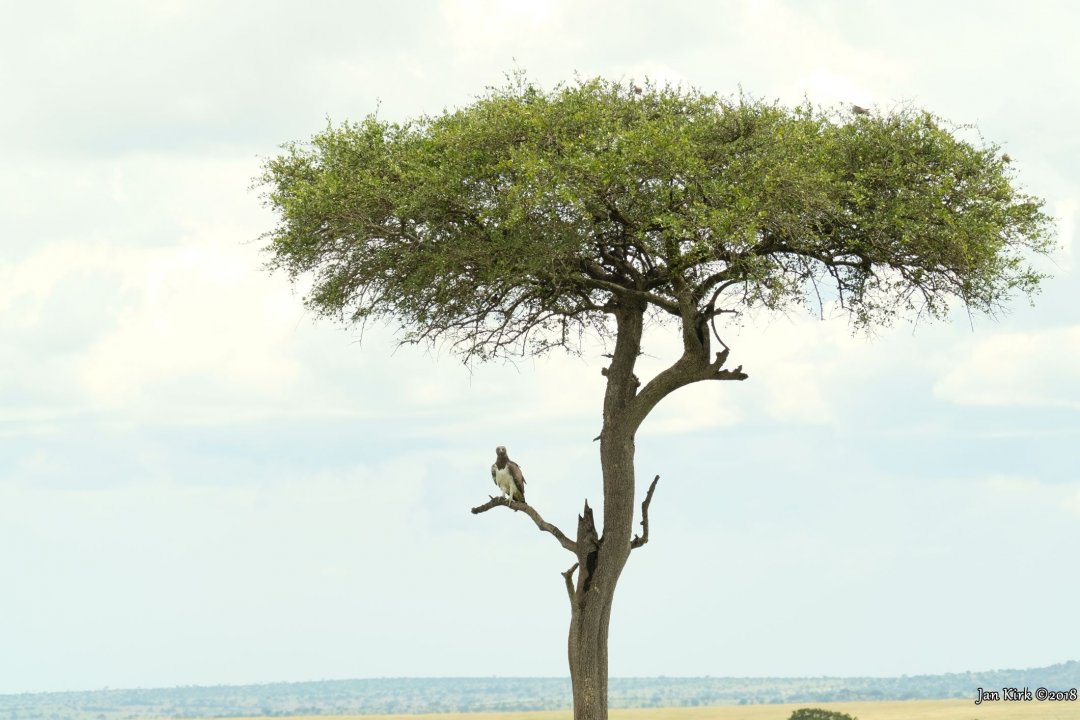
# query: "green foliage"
819,714
529,216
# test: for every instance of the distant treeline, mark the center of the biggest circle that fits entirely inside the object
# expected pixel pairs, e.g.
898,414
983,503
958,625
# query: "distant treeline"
433,695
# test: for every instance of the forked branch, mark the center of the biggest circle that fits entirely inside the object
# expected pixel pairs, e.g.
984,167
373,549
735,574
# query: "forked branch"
639,541
718,374
544,525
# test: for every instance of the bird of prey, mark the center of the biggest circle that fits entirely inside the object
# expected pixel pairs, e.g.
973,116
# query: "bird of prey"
1006,158
859,110
507,475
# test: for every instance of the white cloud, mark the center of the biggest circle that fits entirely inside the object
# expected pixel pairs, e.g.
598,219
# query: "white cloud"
38,276
1030,496
482,26
179,559
179,321
829,87
699,407
200,309
803,364
1065,217
1032,369
1012,485
817,60
1073,503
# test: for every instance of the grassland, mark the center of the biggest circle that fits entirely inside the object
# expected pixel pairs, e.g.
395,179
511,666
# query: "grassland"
892,710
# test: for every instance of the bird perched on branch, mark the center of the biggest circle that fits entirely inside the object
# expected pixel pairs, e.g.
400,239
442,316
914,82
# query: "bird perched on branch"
507,475
859,110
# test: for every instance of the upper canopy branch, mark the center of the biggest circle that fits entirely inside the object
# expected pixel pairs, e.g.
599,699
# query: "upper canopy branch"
598,278
610,255
542,524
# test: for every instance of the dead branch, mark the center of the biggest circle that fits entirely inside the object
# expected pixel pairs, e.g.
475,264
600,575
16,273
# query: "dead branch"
639,541
588,543
718,374
528,510
568,576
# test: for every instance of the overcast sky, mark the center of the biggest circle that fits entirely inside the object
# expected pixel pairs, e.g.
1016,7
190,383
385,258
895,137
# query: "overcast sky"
201,485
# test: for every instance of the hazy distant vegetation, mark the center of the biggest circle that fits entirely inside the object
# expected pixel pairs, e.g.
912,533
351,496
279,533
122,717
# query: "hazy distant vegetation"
431,695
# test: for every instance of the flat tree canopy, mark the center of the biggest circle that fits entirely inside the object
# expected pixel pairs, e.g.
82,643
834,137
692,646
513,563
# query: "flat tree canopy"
515,223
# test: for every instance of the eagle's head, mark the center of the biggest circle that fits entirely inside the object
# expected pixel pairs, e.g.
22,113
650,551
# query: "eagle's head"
500,451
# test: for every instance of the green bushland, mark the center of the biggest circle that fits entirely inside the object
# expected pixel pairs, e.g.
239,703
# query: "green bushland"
819,714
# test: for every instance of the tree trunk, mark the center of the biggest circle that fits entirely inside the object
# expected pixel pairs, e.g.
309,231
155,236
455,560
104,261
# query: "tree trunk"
601,560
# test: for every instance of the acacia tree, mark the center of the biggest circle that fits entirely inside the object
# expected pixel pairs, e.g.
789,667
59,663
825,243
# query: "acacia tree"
531,218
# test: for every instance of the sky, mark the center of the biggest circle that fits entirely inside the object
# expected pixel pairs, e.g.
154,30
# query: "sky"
200,483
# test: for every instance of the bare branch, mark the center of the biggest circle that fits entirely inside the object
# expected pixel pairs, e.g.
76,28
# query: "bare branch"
597,277
627,269
568,576
712,324
639,541
528,510
710,283
688,369
718,374
660,301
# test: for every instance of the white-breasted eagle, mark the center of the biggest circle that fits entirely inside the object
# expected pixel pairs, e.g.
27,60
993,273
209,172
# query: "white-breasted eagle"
507,475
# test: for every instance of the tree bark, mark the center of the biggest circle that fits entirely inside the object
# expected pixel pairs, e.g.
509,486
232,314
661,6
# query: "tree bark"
601,559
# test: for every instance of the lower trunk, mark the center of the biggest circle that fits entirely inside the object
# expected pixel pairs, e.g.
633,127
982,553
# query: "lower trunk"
600,563
588,659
